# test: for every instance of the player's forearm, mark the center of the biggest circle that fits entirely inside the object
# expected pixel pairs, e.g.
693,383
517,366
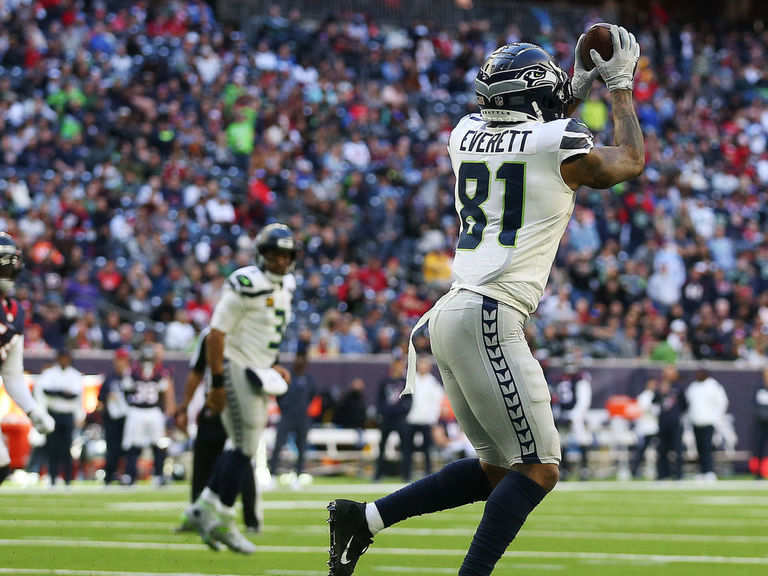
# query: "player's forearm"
215,351
193,381
628,136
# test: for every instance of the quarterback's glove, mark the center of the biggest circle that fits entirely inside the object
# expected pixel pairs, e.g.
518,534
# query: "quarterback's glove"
582,80
619,71
42,421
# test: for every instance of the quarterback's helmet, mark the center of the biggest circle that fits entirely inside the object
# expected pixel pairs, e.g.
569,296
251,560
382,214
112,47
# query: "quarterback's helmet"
521,82
11,262
274,237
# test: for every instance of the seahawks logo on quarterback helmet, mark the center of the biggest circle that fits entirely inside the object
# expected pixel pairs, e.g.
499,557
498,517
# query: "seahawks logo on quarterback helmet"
521,82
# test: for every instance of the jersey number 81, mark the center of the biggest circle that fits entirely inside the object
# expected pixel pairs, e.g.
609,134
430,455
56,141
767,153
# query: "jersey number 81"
472,215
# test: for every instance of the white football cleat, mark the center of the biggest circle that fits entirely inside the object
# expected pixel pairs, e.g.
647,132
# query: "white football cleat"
203,518
228,534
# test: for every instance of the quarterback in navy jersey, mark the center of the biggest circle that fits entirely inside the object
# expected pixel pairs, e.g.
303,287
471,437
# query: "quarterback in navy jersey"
12,346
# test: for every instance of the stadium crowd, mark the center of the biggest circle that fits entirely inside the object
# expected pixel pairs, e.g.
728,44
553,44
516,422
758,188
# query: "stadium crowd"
144,144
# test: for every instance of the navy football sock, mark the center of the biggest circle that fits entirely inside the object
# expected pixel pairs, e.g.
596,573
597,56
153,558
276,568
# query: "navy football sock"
458,483
227,476
505,512
4,472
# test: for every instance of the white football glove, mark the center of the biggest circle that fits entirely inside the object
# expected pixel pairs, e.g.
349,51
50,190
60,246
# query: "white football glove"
581,83
619,71
42,421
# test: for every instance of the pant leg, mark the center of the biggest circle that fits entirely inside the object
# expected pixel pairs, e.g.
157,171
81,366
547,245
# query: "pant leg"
114,439
209,444
677,448
282,430
407,432
426,443
704,447
386,429
250,496
662,463
300,431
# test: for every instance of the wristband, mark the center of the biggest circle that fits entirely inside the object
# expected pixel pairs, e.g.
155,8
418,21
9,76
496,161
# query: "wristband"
217,380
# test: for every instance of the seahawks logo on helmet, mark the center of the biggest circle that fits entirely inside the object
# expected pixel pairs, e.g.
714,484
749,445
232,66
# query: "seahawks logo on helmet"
521,82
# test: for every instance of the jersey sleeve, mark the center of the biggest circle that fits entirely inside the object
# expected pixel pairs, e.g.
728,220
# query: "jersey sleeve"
227,312
577,139
198,362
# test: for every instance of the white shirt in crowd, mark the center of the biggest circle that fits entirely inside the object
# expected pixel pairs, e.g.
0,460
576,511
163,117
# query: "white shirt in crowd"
61,390
707,402
427,400
648,422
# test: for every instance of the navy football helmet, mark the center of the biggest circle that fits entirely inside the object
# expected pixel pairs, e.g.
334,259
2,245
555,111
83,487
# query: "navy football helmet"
521,82
274,237
11,262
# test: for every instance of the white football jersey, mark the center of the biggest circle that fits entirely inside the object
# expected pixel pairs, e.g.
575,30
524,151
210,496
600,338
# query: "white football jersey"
253,312
513,204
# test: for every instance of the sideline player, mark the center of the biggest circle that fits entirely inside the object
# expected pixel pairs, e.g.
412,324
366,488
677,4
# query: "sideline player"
242,348
517,165
12,347
210,439
149,394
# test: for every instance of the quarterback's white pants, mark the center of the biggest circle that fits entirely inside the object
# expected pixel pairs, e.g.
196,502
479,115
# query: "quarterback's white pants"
144,427
245,415
496,387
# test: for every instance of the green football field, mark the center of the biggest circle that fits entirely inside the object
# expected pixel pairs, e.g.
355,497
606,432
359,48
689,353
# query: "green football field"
590,529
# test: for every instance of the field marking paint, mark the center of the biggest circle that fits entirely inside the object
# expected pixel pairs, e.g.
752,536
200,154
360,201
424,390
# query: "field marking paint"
419,532
67,572
103,524
586,535
422,570
601,556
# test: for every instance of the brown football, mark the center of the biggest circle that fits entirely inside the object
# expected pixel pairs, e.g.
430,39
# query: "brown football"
598,37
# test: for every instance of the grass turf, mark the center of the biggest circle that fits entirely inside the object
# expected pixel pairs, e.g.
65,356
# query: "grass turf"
594,529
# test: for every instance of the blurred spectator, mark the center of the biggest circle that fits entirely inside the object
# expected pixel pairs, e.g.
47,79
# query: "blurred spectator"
423,416
113,408
352,409
294,419
758,464
175,138
707,405
672,405
60,389
179,334
392,410
646,424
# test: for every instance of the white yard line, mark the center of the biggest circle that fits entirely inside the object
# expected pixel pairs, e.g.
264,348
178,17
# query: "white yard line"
603,556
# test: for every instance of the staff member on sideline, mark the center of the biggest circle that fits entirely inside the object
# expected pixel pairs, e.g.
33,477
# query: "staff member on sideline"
60,389
113,410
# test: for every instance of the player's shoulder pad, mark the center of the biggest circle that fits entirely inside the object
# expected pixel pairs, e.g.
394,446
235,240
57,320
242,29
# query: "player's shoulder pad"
250,282
576,135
